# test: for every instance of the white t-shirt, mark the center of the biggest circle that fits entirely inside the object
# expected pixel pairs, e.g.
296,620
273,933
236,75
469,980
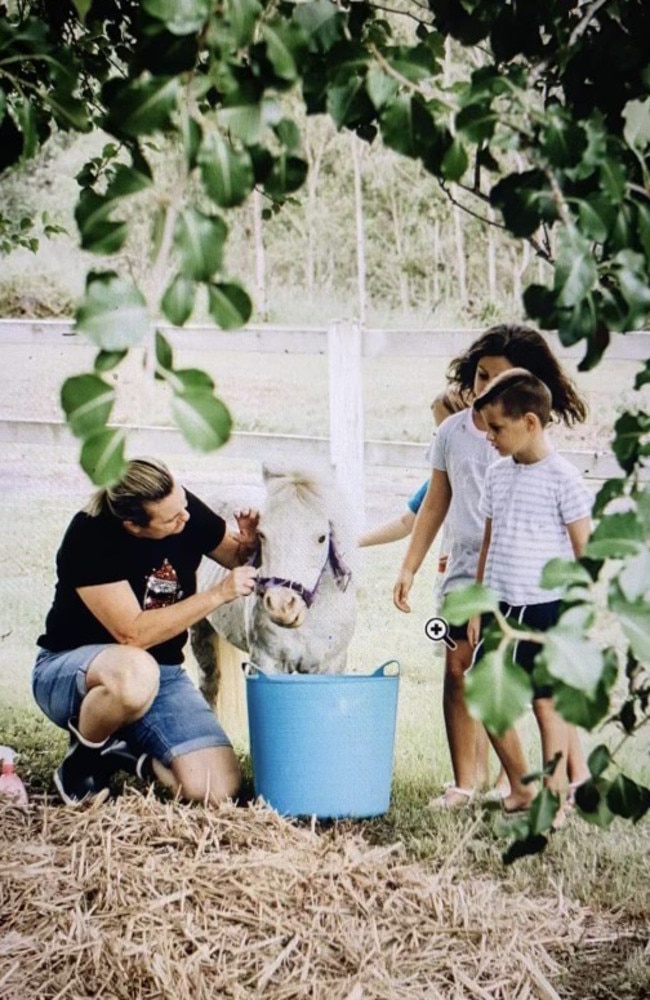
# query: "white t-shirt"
530,507
464,453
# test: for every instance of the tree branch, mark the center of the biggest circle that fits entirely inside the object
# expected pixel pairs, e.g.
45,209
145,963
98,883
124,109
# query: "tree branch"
542,251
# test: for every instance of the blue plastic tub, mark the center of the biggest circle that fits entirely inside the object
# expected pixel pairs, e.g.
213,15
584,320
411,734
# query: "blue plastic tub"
323,745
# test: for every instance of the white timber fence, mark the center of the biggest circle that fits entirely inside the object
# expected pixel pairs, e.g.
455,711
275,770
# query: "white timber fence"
345,344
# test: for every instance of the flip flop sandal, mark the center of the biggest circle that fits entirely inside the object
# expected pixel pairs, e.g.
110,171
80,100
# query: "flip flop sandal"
443,801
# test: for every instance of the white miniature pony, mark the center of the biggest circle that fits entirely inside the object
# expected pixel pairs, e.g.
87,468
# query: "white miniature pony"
302,614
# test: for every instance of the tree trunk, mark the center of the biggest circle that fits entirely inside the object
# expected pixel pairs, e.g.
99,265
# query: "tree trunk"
461,264
360,236
491,259
260,256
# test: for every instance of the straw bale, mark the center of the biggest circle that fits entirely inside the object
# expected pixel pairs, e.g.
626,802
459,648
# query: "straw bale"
139,899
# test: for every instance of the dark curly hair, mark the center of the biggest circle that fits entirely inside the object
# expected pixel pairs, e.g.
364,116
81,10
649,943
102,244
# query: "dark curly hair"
523,347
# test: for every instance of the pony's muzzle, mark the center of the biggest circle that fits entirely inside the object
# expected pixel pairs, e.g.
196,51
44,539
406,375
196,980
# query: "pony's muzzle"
285,607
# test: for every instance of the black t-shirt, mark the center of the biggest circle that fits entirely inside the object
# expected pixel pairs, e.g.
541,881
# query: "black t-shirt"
98,550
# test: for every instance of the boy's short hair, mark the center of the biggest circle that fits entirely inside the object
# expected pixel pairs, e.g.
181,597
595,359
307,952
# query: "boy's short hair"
519,392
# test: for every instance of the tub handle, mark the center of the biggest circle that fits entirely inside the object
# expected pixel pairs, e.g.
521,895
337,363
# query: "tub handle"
252,669
388,669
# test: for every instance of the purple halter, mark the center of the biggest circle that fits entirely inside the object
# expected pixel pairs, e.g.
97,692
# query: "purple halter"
341,573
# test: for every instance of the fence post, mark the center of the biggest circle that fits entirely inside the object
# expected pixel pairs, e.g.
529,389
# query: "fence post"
344,351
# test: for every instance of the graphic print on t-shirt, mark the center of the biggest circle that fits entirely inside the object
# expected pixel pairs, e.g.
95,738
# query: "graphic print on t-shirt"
162,588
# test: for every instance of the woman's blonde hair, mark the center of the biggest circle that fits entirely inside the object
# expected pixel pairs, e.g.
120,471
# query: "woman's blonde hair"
146,480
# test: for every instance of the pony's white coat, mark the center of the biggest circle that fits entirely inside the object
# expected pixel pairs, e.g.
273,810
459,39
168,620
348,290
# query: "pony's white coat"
301,525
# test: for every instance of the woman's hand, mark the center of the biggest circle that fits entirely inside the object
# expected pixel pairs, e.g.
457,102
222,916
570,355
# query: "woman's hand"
401,590
240,582
247,522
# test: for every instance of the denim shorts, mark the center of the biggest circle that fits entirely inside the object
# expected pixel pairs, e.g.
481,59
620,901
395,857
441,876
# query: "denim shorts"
178,722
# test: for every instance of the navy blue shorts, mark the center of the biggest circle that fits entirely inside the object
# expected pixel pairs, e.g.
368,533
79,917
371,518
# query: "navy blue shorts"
540,617
178,722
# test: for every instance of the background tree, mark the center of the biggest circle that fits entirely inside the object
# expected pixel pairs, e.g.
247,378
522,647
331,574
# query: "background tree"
546,128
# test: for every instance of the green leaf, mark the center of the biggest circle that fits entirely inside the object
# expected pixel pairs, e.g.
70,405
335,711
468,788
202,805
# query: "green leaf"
461,605
192,380
82,7
164,353
99,234
497,691
610,490
322,21
643,377
543,810
380,87
637,123
229,305
199,240
203,419
615,536
564,573
107,360
477,122
634,577
285,45
127,181
348,103
591,800
113,313
245,119
69,111
634,619
405,123
575,268
627,799
242,18
288,133
629,429
599,760
571,657
102,457
287,174
454,162
140,107
613,180
177,303
227,174
87,402
574,706
180,17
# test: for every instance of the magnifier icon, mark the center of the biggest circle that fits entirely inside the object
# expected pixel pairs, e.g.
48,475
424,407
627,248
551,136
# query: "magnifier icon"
437,629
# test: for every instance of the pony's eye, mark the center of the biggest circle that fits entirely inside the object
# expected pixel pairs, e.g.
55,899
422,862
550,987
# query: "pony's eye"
321,539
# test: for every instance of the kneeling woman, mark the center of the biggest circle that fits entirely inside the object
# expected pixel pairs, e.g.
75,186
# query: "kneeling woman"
109,669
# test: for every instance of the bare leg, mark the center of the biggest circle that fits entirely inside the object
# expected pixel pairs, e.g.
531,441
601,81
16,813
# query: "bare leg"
122,684
211,775
461,728
509,751
577,769
554,732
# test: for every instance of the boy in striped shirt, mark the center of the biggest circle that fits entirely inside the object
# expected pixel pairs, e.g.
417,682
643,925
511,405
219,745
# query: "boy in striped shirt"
537,508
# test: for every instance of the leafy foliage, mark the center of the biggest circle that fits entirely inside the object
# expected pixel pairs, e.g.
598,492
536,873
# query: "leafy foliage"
546,125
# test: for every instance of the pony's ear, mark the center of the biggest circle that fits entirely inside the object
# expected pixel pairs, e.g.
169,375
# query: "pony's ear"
269,473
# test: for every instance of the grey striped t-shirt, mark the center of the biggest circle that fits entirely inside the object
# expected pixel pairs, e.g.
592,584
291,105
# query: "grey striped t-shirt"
530,507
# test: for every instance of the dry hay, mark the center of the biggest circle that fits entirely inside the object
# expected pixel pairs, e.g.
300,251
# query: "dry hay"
143,899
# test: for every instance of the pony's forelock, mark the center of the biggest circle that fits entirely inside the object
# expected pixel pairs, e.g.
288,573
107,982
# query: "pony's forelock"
305,487
316,492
